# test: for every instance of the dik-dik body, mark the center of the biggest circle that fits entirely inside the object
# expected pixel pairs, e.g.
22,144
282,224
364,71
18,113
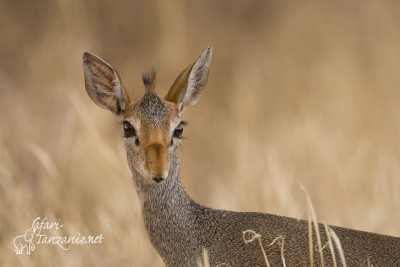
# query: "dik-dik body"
180,228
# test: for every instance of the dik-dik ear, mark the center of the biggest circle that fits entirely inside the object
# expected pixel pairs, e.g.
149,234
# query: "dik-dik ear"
189,85
103,84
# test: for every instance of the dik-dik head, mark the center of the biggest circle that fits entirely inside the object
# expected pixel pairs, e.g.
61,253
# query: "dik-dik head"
152,125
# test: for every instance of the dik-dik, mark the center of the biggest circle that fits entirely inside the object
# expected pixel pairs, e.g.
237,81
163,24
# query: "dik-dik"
178,227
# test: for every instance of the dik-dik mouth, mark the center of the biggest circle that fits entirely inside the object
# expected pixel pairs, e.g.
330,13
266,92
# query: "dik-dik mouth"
158,180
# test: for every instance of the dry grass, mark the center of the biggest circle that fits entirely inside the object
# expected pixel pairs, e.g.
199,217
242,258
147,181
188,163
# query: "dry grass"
299,91
250,236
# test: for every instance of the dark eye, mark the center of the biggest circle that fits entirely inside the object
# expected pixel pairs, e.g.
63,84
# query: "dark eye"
178,131
129,131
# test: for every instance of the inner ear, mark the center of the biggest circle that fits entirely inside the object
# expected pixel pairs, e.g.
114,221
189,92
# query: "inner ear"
178,89
189,85
103,84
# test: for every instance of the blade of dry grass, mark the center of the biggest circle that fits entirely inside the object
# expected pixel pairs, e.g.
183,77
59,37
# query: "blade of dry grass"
335,238
251,238
45,159
204,260
280,239
314,223
330,244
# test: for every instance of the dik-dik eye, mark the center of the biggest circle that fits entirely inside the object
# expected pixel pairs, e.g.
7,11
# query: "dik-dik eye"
179,130
129,131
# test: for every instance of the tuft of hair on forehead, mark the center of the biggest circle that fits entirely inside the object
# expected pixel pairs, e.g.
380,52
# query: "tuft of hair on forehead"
149,79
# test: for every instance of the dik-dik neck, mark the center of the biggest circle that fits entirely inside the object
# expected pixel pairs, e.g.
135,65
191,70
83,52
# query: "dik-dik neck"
170,216
169,193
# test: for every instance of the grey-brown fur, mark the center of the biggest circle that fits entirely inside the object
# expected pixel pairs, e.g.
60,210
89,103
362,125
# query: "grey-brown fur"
152,109
180,228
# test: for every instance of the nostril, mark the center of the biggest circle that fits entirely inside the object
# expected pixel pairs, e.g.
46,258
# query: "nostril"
158,179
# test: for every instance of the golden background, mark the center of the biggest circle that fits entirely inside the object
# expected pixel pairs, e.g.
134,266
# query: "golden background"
300,92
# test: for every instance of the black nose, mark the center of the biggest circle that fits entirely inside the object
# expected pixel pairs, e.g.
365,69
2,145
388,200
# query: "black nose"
158,179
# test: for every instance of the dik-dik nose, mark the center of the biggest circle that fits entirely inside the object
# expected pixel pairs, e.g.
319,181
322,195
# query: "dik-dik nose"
157,162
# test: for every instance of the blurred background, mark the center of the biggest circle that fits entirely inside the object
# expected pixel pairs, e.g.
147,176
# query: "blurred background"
300,93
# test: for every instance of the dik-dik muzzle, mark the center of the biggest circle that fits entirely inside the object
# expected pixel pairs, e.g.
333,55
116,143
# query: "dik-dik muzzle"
157,162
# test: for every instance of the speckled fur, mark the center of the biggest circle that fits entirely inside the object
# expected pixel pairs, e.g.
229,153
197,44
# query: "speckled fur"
152,110
179,228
